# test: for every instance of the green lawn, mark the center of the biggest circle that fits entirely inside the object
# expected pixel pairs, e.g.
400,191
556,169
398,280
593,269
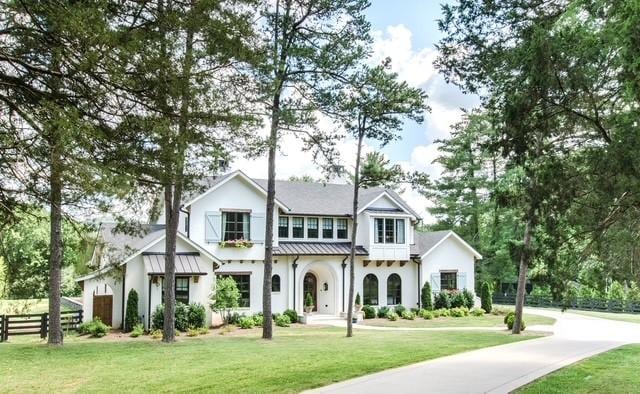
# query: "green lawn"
615,371
611,316
35,305
298,358
467,321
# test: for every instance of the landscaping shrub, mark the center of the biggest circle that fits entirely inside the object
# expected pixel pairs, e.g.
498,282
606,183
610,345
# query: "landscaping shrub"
234,318
408,315
192,332
282,321
308,301
138,330
457,299
196,315
246,322
369,312
508,315
182,317
442,301
428,315
131,316
203,330
95,328
465,310
510,320
442,312
485,297
258,319
469,298
392,316
156,334
457,312
357,300
477,312
383,311
426,296
399,309
293,315
157,317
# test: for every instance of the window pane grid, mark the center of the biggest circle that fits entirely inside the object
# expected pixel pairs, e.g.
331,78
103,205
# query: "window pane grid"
297,225
370,290
394,290
236,225
341,226
327,228
283,227
312,228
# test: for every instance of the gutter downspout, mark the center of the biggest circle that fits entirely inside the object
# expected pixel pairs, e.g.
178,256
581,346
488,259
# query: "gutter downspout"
294,265
344,265
149,312
419,264
124,277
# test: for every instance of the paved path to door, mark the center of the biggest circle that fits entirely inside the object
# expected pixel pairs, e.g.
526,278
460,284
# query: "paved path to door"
500,369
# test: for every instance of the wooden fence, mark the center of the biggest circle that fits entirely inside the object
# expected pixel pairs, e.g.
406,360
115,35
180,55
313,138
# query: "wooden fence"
36,324
586,304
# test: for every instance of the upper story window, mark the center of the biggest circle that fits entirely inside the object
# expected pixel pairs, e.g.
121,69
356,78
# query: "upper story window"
389,231
312,227
235,225
283,227
297,225
341,226
327,228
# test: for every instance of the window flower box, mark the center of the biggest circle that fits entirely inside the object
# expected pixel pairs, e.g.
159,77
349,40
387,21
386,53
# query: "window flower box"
236,243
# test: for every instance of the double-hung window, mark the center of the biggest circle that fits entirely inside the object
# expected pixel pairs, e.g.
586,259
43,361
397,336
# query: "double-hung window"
327,228
312,227
283,227
389,231
235,225
297,227
341,225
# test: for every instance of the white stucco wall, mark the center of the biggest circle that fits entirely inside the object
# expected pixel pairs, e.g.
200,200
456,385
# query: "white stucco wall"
96,286
450,255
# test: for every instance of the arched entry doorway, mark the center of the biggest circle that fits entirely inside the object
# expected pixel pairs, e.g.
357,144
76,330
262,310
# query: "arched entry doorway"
310,286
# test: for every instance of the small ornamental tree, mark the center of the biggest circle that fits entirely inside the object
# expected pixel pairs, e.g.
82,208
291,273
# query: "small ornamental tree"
358,301
426,296
485,297
308,301
225,297
131,318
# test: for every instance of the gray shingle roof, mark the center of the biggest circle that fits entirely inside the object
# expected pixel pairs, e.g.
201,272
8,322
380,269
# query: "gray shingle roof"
317,249
423,241
115,245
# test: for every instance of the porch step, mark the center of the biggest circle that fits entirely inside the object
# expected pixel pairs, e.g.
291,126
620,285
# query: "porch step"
319,318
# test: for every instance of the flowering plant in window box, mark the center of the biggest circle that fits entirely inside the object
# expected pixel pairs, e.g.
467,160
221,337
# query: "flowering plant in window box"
236,243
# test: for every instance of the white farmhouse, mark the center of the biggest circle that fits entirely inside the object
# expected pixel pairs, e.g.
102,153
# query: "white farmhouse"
311,247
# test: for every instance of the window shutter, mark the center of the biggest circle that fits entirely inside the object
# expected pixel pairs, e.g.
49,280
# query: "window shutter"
462,280
257,227
212,226
435,282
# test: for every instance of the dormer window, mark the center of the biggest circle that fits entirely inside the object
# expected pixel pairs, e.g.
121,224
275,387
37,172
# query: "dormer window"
235,225
389,231
297,226
312,228
341,226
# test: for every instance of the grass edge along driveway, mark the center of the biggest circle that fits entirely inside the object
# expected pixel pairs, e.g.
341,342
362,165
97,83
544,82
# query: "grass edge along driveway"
297,358
612,371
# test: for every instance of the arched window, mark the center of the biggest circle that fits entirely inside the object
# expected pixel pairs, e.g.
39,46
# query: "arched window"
370,290
275,283
394,290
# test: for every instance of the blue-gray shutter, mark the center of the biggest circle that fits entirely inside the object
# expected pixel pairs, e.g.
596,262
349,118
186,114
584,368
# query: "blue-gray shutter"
462,280
212,226
257,227
435,282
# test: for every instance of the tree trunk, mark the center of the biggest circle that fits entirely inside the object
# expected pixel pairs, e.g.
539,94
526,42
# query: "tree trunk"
354,232
55,336
168,326
522,275
267,325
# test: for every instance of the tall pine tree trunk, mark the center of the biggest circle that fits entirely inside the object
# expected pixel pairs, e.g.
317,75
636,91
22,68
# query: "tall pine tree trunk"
522,275
267,326
168,326
354,233
55,336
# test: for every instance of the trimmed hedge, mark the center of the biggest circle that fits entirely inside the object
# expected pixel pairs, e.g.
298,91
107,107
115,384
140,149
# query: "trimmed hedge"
131,317
485,297
426,296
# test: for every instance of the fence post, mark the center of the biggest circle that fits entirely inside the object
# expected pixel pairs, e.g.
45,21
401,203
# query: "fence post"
2,323
44,325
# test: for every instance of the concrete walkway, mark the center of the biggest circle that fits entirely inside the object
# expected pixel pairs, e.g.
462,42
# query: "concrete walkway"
501,369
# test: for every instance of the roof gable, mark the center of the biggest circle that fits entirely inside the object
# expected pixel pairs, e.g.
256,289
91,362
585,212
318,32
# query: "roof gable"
427,242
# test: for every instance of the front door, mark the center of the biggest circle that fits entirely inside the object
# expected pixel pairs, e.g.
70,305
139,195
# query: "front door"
311,287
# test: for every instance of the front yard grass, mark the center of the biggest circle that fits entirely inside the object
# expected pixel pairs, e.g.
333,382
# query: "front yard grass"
33,305
297,358
487,320
615,371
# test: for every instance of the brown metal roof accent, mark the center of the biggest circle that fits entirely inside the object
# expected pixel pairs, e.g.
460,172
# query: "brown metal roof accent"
317,249
186,264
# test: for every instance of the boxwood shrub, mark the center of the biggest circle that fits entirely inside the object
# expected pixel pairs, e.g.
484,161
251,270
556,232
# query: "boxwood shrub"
383,311
399,309
369,312
392,316
442,301
457,299
293,315
408,315
282,321
196,315
95,328
246,322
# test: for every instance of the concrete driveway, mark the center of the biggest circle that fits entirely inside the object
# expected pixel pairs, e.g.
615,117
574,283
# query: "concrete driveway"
500,369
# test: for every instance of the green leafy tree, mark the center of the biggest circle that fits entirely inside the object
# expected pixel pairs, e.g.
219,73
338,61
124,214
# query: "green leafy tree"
307,44
372,106
225,297
485,297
